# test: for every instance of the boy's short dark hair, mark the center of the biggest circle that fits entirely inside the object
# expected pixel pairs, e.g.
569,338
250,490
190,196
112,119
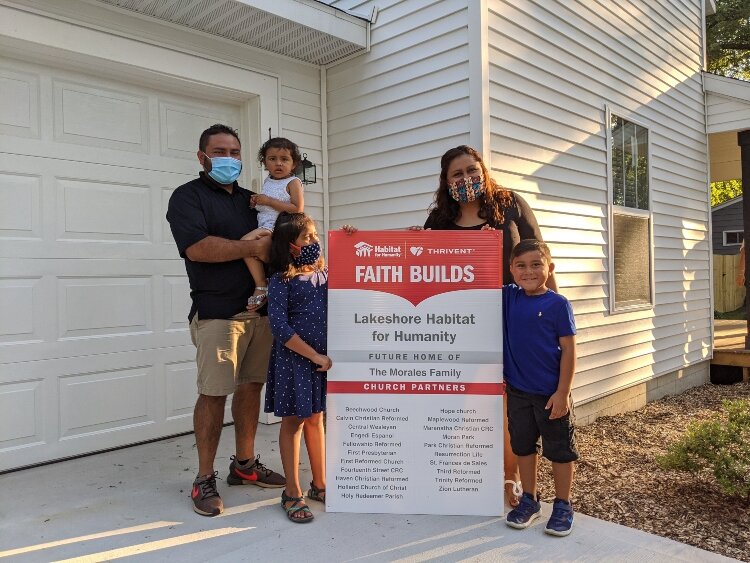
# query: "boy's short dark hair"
530,245
280,143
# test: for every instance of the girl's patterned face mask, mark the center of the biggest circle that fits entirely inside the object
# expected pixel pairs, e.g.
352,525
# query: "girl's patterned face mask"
305,255
467,189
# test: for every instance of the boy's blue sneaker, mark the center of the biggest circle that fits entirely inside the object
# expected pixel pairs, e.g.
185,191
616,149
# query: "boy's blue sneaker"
525,513
561,521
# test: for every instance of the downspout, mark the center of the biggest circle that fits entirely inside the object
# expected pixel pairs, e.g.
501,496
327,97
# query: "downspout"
479,79
708,179
324,124
324,148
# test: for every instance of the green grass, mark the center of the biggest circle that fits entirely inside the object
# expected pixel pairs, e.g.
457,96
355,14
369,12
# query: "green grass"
736,315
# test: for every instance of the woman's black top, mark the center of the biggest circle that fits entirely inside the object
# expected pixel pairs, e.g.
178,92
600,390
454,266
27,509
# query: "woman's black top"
519,224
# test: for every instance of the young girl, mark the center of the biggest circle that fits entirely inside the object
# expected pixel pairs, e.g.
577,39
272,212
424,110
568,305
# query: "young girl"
281,191
296,386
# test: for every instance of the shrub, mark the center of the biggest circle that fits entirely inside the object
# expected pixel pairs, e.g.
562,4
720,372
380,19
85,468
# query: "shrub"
720,445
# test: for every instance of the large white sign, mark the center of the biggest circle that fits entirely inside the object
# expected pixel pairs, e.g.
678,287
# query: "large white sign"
414,407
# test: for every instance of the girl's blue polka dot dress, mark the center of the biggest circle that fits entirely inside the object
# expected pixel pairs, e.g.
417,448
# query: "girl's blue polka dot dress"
300,307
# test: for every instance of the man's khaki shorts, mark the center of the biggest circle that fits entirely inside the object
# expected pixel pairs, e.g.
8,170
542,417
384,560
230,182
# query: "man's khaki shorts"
231,352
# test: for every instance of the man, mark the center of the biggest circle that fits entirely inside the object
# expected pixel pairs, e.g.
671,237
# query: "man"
208,217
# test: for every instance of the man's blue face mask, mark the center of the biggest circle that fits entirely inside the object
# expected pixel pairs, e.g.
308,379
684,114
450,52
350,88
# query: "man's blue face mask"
225,169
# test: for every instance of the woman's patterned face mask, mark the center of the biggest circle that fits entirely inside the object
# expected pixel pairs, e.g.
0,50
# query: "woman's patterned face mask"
467,189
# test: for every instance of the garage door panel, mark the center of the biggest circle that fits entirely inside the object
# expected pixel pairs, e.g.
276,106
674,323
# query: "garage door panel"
51,317
21,414
176,302
19,112
72,153
20,206
19,302
99,211
93,402
88,115
104,306
180,384
78,402
180,127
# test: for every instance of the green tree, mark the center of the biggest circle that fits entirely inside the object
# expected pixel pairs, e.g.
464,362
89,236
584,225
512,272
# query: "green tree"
728,39
723,191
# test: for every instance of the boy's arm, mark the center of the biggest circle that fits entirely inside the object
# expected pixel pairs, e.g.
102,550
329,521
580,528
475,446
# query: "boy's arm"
558,402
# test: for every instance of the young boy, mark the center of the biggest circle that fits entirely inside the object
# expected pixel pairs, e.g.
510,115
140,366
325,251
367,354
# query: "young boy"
539,335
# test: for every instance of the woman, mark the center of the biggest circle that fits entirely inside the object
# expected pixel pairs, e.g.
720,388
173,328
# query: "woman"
467,198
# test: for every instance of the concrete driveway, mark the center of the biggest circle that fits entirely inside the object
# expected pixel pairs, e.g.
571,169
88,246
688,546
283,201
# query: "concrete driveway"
134,504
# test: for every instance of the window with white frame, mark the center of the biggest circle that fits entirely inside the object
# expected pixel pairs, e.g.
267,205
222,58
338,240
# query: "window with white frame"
631,278
733,238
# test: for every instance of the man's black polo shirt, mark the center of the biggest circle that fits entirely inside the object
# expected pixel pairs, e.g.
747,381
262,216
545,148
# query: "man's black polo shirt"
199,209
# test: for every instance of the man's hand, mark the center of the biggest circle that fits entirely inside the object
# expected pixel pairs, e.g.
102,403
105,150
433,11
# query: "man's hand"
560,405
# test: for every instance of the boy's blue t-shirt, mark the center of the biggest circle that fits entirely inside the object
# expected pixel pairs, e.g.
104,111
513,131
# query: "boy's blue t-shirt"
532,327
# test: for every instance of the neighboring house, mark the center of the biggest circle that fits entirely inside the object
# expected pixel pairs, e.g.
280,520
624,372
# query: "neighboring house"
594,111
727,226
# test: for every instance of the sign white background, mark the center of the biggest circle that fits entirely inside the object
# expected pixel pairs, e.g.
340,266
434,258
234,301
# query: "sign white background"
414,453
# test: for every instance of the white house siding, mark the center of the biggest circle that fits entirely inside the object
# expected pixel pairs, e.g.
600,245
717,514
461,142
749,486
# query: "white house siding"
553,67
726,113
94,346
727,103
393,111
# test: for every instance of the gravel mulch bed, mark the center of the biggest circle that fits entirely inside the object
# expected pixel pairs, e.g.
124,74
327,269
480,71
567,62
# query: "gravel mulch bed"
617,478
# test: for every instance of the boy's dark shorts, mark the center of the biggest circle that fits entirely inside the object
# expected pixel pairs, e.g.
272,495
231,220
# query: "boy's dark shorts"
528,420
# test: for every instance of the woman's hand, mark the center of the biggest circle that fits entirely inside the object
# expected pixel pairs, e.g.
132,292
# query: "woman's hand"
349,229
488,228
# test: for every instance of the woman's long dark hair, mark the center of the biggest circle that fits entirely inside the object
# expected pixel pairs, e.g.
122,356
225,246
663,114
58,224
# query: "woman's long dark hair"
492,203
287,229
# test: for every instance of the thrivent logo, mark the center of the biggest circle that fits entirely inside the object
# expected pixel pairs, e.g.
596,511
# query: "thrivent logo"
416,250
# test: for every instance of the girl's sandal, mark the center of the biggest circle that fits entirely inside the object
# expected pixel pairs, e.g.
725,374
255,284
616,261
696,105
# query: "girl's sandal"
260,298
316,494
299,506
513,491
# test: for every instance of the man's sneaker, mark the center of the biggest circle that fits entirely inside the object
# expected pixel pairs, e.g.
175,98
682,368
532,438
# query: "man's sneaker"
254,474
525,513
561,521
206,499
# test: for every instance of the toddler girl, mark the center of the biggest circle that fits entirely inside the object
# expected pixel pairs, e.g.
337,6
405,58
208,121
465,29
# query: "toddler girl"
281,191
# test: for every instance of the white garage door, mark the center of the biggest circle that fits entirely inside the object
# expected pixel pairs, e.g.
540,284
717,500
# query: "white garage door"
94,349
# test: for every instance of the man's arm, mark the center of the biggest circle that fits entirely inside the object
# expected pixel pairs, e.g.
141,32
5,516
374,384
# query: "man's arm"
216,249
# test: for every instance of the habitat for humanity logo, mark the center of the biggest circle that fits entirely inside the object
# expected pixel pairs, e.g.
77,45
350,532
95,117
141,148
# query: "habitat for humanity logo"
362,249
